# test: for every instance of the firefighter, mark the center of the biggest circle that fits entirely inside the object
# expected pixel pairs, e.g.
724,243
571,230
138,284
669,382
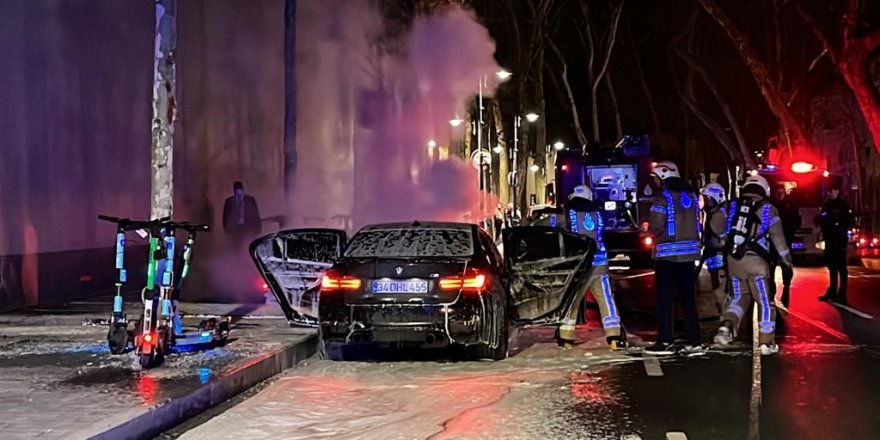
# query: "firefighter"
835,222
584,218
753,227
714,234
675,225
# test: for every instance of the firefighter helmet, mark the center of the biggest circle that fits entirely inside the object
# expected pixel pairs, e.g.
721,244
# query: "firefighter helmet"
582,192
714,191
665,170
758,180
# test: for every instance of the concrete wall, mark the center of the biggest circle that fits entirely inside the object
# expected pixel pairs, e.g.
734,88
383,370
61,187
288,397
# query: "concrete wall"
75,123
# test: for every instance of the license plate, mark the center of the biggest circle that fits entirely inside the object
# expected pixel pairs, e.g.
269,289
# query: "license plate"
400,287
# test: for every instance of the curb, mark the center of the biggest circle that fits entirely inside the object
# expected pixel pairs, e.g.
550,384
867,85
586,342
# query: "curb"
163,417
871,263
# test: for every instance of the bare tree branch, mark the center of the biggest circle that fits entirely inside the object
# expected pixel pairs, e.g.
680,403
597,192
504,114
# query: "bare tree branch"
773,96
582,138
655,118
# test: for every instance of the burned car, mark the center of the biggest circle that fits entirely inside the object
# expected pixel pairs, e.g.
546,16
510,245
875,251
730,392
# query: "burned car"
429,285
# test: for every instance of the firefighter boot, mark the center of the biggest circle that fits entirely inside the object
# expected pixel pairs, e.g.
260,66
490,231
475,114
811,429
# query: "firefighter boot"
566,334
619,342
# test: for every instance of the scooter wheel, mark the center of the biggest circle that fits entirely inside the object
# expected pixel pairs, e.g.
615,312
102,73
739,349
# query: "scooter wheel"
118,339
146,361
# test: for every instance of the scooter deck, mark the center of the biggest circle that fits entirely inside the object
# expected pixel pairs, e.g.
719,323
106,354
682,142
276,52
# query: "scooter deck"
195,341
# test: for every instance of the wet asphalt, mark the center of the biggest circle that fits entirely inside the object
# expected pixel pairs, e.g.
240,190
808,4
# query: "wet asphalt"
823,385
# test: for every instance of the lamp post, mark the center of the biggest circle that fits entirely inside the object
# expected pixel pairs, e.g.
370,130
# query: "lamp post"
514,180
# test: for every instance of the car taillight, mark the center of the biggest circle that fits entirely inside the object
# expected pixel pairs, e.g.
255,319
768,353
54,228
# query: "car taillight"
332,282
472,281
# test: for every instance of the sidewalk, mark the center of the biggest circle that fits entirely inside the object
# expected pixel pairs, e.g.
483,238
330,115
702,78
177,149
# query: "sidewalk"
59,381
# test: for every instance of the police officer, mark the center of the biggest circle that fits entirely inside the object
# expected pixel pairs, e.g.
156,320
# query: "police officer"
753,226
835,222
584,218
714,235
675,225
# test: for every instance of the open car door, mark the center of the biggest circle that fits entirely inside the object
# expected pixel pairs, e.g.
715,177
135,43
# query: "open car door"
292,263
545,268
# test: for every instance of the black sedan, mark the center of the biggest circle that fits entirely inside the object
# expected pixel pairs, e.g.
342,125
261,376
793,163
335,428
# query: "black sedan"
423,284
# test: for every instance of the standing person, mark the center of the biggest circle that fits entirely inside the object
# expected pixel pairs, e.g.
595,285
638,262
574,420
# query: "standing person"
791,222
241,217
835,222
753,226
584,218
714,236
674,223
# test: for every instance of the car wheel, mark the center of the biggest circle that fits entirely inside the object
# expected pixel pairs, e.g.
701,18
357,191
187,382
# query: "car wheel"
497,349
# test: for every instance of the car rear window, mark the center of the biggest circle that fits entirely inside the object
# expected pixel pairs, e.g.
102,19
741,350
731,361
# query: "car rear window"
434,242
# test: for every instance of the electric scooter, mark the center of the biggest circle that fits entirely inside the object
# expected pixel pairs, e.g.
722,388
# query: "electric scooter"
119,339
211,332
160,330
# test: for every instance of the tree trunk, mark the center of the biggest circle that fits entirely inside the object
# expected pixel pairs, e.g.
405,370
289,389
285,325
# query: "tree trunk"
164,110
503,157
852,62
290,157
649,97
576,118
594,87
791,129
742,147
614,105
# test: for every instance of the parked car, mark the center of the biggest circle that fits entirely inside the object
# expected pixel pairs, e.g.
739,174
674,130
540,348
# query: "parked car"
423,284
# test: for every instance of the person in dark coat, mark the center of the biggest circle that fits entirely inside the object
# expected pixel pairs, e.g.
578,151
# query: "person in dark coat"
241,217
835,222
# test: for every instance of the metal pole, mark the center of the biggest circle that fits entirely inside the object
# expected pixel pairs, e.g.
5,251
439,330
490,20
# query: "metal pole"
515,183
480,135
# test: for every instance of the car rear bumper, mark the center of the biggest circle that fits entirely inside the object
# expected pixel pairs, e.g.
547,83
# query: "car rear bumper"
433,326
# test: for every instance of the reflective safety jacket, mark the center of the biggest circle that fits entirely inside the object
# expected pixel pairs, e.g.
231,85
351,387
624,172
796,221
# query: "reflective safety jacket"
674,221
584,219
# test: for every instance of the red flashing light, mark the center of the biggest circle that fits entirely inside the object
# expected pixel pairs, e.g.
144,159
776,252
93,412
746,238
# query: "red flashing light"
565,167
802,167
472,281
862,241
265,287
333,282
148,337
648,241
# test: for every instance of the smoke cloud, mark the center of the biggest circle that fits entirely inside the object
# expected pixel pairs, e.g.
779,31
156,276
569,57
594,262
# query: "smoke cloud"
368,106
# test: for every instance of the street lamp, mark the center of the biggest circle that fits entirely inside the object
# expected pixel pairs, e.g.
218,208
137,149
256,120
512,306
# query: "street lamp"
503,75
532,117
456,121
558,145
432,143
534,168
498,149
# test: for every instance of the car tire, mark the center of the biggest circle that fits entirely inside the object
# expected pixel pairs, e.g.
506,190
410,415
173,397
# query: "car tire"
499,341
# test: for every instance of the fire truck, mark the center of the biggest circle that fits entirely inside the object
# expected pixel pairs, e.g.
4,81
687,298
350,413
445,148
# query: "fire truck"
617,175
805,178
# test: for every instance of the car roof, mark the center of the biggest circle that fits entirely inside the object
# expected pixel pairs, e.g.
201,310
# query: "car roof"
420,225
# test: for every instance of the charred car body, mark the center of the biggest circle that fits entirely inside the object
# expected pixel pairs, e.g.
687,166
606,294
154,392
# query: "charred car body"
430,285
